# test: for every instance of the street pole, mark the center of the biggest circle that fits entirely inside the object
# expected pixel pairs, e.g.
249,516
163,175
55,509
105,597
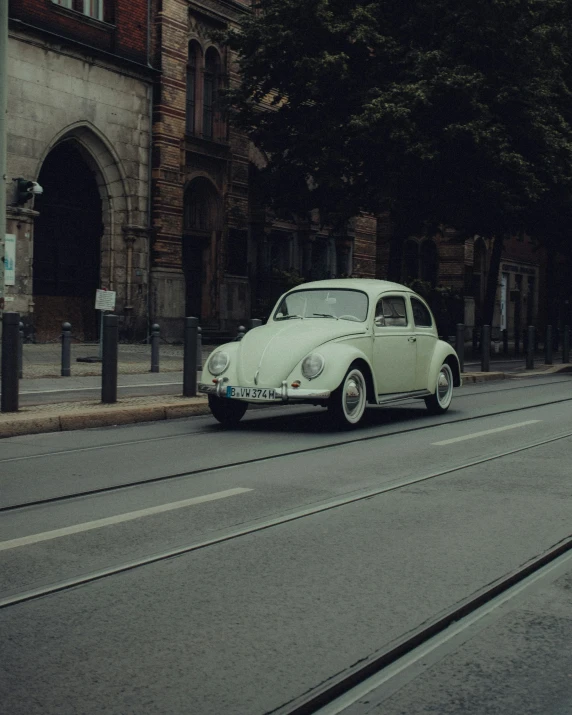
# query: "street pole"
460,345
485,348
3,111
190,357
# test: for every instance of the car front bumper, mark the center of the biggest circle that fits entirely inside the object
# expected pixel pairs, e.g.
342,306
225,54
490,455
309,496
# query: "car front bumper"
282,393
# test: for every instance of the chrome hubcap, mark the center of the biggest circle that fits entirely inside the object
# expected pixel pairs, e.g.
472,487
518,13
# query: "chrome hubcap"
444,385
354,396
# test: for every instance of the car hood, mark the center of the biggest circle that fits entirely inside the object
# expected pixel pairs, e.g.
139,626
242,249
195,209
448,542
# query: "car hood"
274,350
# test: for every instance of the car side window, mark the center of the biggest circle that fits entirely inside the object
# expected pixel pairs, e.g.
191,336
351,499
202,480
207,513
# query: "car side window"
421,315
391,311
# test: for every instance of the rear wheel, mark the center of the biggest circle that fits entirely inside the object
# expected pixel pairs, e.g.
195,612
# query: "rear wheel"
439,402
347,403
227,412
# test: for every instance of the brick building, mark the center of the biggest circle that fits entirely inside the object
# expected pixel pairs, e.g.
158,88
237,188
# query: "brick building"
218,253
458,269
79,109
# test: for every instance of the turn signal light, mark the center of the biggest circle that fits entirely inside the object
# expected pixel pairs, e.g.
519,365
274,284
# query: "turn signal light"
295,384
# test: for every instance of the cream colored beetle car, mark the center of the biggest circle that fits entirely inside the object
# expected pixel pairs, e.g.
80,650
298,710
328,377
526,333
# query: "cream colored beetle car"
344,344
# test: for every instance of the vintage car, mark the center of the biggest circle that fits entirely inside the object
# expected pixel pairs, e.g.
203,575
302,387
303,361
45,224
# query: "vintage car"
344,344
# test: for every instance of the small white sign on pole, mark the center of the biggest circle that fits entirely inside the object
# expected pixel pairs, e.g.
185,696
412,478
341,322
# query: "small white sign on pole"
10,260
105,299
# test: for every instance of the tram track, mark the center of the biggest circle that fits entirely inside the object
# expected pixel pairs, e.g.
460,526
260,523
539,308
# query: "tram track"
266,458
263,524
344,690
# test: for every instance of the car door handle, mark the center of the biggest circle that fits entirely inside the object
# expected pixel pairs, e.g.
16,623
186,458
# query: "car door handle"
412,339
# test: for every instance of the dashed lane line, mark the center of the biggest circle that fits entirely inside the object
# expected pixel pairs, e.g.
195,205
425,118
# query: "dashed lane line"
474,435
117,519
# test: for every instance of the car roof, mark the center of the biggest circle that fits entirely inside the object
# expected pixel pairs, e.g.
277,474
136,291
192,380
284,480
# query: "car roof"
370,286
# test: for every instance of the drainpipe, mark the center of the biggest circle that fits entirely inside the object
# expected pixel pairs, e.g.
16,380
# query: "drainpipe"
149,176
129,241
3,111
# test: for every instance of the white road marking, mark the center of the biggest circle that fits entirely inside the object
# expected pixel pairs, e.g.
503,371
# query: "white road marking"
117,519
485,432
82,389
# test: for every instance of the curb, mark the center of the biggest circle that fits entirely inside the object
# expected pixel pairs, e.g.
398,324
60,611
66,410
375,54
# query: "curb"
24,424
482,376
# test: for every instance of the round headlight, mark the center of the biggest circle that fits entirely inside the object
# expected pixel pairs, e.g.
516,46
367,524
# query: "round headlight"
218,362
312,366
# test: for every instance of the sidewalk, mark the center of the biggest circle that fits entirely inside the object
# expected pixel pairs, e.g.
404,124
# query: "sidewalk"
66,416
44,360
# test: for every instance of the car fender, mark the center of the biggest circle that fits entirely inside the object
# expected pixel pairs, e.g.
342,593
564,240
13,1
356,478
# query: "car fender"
443,353
232,350
338,356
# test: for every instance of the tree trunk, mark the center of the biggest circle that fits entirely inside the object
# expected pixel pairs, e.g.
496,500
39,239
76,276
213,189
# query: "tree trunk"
492,281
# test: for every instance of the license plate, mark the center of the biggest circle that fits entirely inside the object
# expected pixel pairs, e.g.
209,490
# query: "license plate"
250,393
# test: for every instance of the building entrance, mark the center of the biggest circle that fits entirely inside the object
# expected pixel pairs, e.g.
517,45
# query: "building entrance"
67,236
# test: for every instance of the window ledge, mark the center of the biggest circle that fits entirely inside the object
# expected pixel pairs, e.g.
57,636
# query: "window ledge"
67,12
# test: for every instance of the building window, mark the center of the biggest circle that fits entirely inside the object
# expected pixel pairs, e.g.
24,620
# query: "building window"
191,99
429,262
237,252
411,260
210,90
91,8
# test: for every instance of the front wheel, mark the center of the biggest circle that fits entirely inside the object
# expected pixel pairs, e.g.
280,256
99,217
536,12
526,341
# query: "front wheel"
227,412
439,402
347,403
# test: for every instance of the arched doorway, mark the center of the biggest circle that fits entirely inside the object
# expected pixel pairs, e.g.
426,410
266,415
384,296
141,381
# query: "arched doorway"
67,235
201,221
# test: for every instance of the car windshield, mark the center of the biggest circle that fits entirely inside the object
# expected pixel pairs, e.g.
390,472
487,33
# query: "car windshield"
337,304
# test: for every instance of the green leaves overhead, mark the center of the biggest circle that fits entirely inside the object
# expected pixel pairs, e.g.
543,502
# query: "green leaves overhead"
453,110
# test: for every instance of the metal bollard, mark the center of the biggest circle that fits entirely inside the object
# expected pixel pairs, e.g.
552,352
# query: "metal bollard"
9,374
530,348
486,348
66,350
199,348
155,337
475,342
109,358
566,344
548,346
241,332
460,345
505,341
20,350
255,323
190,357
516,342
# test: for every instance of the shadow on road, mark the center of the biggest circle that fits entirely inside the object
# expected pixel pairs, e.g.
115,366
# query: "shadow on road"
314,420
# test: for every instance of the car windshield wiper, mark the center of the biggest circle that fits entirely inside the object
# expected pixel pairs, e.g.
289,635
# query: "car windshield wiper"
288,317
324,315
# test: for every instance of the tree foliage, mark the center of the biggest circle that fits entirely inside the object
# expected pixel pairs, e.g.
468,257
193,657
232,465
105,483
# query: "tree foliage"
446,111
459,109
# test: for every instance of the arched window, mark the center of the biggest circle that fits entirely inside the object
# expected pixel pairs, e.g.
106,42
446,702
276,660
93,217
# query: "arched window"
191,98
410,260
211,81
429,262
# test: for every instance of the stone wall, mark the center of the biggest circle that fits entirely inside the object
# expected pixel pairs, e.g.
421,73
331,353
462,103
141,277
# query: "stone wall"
57,94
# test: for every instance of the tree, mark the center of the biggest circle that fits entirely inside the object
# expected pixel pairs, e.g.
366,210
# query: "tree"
439,111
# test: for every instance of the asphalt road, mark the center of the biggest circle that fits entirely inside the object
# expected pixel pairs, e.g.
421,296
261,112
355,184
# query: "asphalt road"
302,551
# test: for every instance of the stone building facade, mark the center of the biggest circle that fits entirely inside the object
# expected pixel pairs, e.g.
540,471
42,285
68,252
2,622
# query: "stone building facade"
219,254
79,113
